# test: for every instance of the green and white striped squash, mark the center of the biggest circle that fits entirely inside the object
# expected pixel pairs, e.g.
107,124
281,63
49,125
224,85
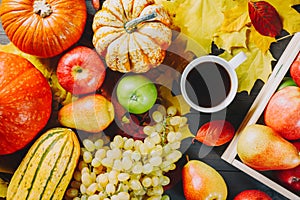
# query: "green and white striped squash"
47,169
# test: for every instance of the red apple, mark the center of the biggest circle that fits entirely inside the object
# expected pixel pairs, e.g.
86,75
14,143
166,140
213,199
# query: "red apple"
81,70
215,133
290,178
295,70
252,195
282,112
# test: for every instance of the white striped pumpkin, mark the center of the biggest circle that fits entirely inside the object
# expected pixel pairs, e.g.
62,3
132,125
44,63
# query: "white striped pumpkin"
132,35
47,168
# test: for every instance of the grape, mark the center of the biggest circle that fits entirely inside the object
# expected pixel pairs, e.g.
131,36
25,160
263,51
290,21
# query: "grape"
87,157
86,179
129,144
100,153
164,180
128,168
148,130
183,122
89,145
107,162
174,156
110,188
171,137
146,181
102,179
155,181
137,168
175,120
99,143
123,177
117,165
96,162
156,151
147,168
159,128
155,161
126,163
91,189
171,111
155,138
123,196
165,197
135,184
157,116
136,156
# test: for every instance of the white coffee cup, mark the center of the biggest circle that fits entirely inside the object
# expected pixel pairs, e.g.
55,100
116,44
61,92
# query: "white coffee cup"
209,83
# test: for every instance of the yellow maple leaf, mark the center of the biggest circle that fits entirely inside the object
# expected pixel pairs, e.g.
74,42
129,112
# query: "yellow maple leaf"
236,18
200,20
231,40
262,42
3,188
256,66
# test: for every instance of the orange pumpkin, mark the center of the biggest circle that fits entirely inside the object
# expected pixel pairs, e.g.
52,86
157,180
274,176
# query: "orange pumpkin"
43,28
25,102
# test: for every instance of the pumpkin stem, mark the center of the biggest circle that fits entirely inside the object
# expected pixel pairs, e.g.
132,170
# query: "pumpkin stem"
42,8
132,25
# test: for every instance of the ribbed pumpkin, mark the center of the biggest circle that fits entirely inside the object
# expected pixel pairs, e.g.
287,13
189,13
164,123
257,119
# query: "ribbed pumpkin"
25,102
43,28
132,35
47,168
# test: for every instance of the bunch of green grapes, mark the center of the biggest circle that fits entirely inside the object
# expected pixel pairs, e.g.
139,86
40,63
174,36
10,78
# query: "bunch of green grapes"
125,168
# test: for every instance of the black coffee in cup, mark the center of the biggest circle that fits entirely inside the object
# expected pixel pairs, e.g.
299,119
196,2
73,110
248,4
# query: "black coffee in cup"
208,84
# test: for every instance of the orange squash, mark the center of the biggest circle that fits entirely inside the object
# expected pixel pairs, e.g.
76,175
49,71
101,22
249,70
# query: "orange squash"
132,35
25,102
43,28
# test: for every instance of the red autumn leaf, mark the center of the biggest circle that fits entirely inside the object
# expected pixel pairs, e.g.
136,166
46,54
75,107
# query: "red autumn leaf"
265,18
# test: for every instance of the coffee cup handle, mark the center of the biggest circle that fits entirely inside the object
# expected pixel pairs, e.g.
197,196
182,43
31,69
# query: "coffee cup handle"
237,60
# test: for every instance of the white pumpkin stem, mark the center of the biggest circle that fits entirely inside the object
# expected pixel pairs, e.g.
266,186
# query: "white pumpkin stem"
132,25
42,8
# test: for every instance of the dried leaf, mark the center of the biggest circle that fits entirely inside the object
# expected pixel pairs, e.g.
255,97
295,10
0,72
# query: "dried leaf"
3,188
289,16
265,18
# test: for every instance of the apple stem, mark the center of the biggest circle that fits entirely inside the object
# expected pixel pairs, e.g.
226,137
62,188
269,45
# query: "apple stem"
131,26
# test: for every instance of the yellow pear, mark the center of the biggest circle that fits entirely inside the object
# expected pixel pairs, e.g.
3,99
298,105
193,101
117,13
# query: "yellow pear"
262,148
92,113
202,182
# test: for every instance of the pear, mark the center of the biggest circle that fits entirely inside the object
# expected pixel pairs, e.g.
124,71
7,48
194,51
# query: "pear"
92,113
201,181
262,148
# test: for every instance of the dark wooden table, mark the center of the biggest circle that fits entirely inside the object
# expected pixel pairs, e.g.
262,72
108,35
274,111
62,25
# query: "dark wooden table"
236,180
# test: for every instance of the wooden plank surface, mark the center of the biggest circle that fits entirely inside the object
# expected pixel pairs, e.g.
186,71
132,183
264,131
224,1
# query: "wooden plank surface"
236,180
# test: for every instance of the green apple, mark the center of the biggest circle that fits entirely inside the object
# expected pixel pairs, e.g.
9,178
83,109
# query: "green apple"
136,93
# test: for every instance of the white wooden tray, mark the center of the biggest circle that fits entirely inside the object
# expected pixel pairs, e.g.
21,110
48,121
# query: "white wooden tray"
255,112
